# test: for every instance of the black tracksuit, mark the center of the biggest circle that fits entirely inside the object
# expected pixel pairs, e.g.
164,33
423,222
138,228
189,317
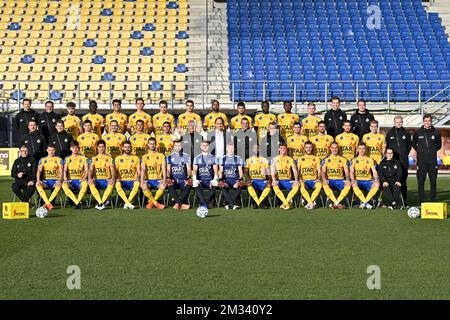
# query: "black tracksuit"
427,143
47,122
361,123
35,143
400,141
20,186
21,123
334,121
390,171
61,141
191,144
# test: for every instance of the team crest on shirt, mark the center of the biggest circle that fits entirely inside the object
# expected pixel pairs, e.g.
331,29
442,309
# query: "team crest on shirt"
340,118
395,167
329,160
317,140
134,139
121,160
367,120
357,161
110,117
45,161
342,138
432,137
29,164
39,141
368,138
82,138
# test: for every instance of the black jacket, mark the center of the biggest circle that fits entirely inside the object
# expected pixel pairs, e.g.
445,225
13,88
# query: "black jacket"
427,142
35,143
390,171
400,141
334,121
21,122
25,165
268,145
61,142
191,144
361,123
244,142
47,122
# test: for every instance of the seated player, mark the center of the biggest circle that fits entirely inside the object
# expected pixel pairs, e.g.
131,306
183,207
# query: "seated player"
88,140
154,175
205,174
375,142
114,140
164,141
128,172
257,170
309,176
283,169
335,176
364,176
179,173
75,175
102,175
230,176
50,168
139,140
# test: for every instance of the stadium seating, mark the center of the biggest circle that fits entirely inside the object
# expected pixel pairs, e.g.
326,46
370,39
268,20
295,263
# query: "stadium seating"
85,49
330,46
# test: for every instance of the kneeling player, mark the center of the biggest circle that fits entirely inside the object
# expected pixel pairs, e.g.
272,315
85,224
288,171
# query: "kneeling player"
205,174
364,176
257,170
282,170
335,176
128,171
179,172
51,170
153,175
75,175
309,176
102,175
231,174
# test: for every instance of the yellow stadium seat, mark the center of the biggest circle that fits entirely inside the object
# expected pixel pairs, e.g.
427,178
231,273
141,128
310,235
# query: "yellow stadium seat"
97,68
120,76
181,60
59,76
111,60
113,43
33,86
168,76
22,76
85,68
157,60
119,86
157,68
8,86
181,51
145,60
71,76
156,76
180,77
168,68
2,67
75,59
133,68
136,44
13,68
132,76
47,76
122,60
25,68
169,59
179,95
170,43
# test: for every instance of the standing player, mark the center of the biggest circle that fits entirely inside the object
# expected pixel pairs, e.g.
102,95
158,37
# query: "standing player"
375,142
97,120
235,122
72,123
88,140
335,176
364,176
283,169
75,175
161,117
231,175
205,174
128,172
102,175
287,119
311,121
309,176
154,175
210,118
114,140
322,141
185,118
257,170
165,140
50,168
118,116
139,115
139,140
262,120
179,173
296,142
347,141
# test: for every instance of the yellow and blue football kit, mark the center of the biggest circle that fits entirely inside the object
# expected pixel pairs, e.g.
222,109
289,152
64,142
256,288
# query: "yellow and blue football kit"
362,173
76,175
51,173
139,144
310,125
114,143
153,162
101,167
210,120
283,167
347,143
236,121
334,166
140,115
164,143
321,145
127,168
88,144
97,122
258,170
262,122
184,118
286,123
72,125
309,169
375,144
296,145
121,121
158,121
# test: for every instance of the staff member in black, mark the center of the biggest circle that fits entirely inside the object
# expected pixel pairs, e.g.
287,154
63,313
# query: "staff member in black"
191,141
34,141
399,140
24,173
47,121
427,142
22,119
360,120
244,139
61,140
269,144
334,118
390,174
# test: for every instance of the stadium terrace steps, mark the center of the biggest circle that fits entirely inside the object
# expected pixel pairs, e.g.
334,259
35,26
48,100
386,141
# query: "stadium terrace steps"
442,8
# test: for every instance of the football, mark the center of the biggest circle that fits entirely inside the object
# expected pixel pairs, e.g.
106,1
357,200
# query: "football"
413,212
202,212
41,212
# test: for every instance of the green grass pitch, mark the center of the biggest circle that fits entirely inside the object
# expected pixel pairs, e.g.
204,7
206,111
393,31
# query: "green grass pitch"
245,254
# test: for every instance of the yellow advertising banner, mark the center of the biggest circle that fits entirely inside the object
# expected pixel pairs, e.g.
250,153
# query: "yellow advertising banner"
7,158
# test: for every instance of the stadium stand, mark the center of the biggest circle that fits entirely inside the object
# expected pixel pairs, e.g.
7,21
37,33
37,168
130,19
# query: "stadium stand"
311,50
85,49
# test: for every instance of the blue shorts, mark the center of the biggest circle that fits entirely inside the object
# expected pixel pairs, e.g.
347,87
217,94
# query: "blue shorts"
205,184
179,184
49,184
336,184
153,183
101,184
127,184
285,184
310,184
75,184
259,184
365,185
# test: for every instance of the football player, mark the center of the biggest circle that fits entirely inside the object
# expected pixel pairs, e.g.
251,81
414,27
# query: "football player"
164,141
88,140
114,140
210,118
179,176
161,117
231,175
296,142
154,175
50,168
139,115
309,176
139,140
321,141
128,172
72,123
287,119
189,115
96,119
375,142
262,120
347,141
235,122
258,171
205,174
118,116
311,121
